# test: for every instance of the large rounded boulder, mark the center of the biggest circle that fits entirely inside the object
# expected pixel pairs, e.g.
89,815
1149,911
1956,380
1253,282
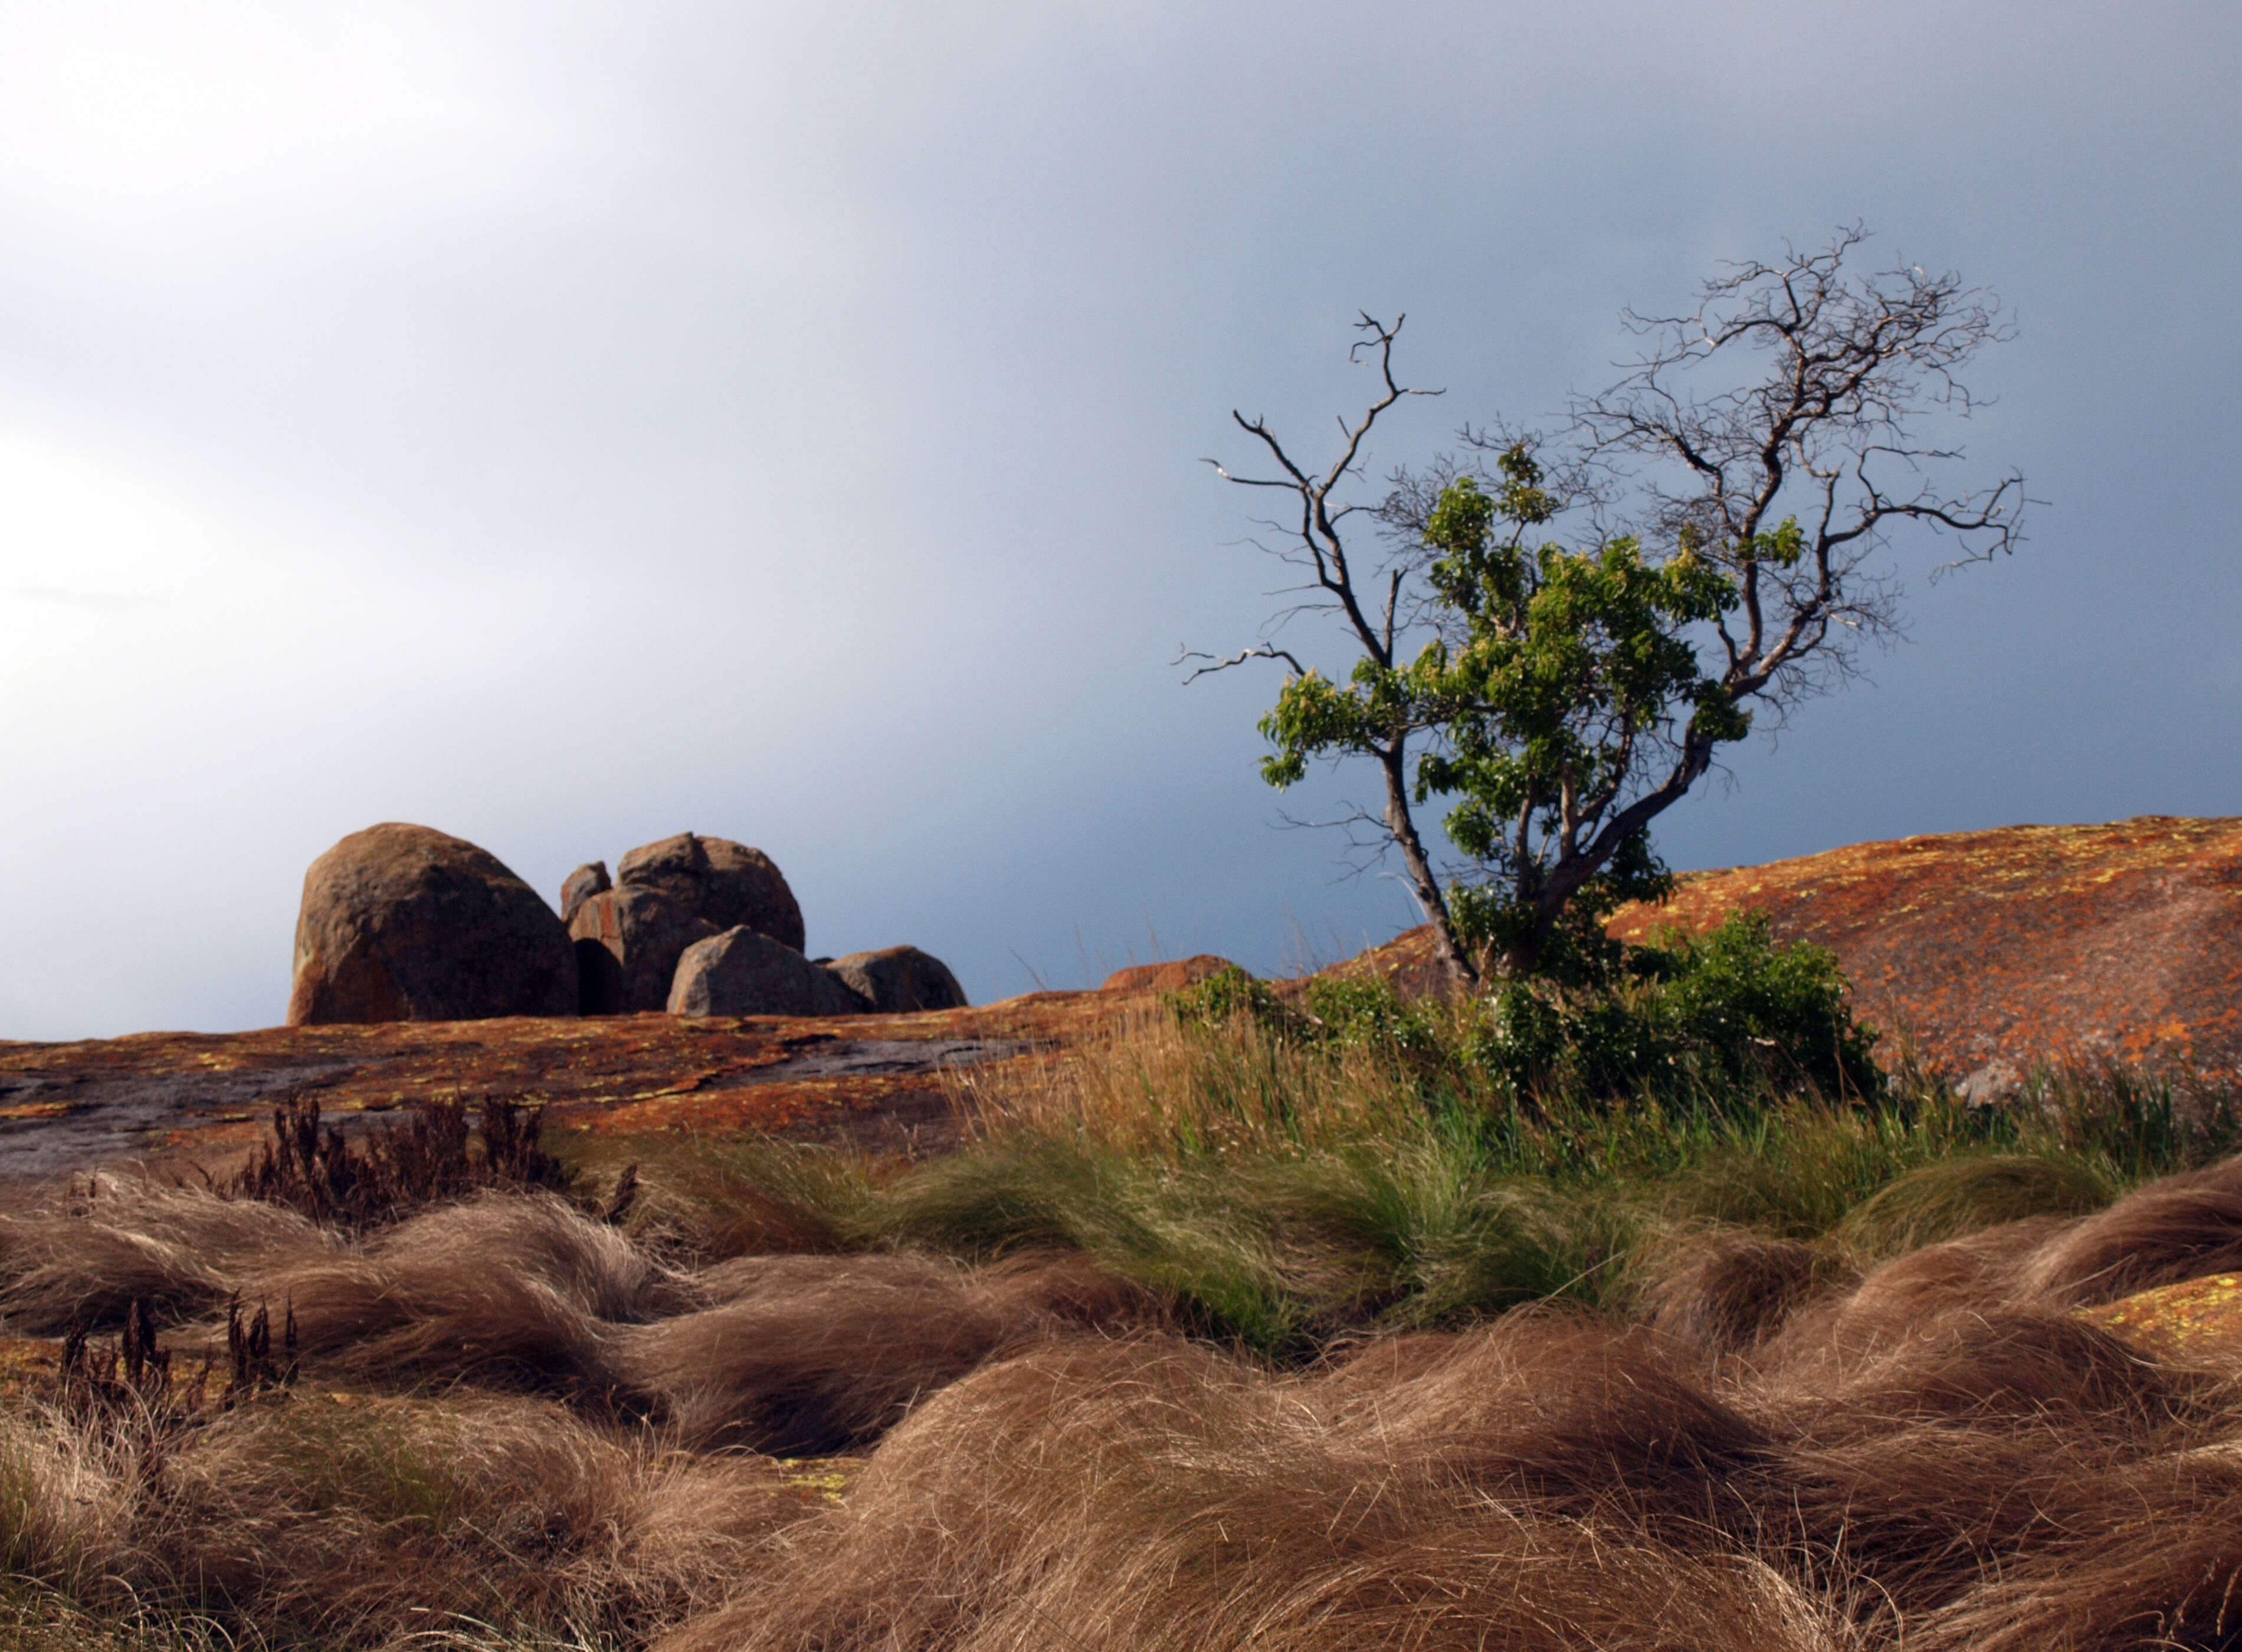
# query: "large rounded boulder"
899,979
405,923
742,972
728,883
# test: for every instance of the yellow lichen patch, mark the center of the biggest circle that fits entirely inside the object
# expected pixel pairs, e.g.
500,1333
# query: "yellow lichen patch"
2027,944
2198,1317
824,1480
27,1365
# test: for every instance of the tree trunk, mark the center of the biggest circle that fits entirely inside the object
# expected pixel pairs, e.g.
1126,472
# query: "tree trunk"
1463,975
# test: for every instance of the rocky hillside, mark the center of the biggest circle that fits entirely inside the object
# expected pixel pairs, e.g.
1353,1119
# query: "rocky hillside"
1995,950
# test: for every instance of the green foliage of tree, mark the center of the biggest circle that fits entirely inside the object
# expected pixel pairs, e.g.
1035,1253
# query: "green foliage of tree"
1554,652
1563,661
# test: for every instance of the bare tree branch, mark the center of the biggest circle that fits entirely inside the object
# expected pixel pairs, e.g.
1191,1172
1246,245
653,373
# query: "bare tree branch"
1266,651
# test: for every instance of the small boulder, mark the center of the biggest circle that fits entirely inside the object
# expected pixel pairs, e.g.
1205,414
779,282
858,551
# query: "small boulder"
627,943
583,884
403,923
743,972
726,883
1172,976
900,979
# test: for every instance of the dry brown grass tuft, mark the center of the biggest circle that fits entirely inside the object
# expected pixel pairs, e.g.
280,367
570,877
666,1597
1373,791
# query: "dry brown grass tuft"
1959,1474
812,1355
2181,1227
354,1522
84,1255
1727,1290
365,1520
1147,1494
519,1291
552,1428
1147,1085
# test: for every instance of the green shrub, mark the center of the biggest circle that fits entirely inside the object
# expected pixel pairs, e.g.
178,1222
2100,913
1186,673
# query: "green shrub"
1369,1013
1229,994
1331,1015
1732,1011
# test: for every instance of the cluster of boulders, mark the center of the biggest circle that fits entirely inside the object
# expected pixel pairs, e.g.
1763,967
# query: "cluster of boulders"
405,923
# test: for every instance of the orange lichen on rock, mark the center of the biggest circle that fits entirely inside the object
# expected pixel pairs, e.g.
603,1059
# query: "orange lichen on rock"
1172,977
28,1366
2007,948
1995,950
871,1080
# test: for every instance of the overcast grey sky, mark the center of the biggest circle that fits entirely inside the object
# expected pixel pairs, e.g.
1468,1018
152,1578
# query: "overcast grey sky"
564,426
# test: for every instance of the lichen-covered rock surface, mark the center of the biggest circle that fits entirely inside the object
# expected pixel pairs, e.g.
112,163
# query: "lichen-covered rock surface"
1170,977
1994,950
2196,1318
868,1081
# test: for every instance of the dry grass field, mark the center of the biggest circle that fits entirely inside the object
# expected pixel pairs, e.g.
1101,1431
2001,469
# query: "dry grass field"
1201,1340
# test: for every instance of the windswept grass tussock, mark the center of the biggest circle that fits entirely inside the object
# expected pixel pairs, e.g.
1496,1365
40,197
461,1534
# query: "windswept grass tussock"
1212,1336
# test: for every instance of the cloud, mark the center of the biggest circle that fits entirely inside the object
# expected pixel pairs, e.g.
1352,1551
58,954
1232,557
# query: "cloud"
93,601
566,425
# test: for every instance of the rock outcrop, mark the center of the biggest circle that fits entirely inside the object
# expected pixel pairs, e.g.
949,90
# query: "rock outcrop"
744,972
403,923
668,895
1994,952
900,979
400,922
728,883
1172,977
1998,950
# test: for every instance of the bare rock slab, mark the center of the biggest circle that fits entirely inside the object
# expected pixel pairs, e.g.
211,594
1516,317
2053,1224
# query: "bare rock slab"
402,922
900,979
742,972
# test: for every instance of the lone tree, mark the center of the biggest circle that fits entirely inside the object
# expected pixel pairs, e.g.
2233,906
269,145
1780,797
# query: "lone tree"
1729,499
